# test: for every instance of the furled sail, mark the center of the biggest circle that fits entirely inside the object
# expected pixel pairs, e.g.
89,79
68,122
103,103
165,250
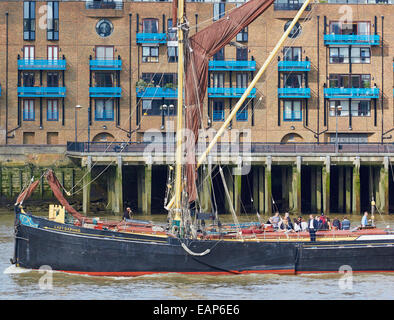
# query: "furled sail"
199,49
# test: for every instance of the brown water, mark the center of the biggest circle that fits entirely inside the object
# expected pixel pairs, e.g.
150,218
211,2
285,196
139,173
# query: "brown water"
24,284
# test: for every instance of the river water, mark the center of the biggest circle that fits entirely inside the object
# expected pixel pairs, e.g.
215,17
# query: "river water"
24,284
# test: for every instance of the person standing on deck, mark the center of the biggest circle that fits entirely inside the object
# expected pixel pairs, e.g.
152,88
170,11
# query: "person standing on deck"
364,220
313,225
128,214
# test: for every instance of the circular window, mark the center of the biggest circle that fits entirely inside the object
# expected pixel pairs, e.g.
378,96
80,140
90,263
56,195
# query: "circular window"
104,28
295,32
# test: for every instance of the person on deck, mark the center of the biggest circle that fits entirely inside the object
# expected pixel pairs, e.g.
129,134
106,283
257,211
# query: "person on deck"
336,224
275,220
128,214
313,225
345,224
364,220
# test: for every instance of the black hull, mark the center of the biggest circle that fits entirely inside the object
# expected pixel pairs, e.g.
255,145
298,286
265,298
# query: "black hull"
41,242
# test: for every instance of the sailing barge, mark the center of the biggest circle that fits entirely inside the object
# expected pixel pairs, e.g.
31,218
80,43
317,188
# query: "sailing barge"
130,248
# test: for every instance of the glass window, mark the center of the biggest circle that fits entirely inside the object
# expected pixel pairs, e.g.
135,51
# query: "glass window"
28,79
53,20
104,110
150,54
52,79
53,52
218,110
29,20
218,80
361,108
339,55
52,110
150,25
171,32
28,52
243,35
172,53
341,106
104,79
158,107
28,110
295,32
292,80
219,56
292,110
104,52
218,10
242,113
242,80
242,54
292,54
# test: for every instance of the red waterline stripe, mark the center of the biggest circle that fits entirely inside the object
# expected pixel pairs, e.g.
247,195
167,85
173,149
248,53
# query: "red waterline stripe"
141,273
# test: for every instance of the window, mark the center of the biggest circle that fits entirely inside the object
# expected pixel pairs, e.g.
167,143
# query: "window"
243,35
28,79
104,28
218,80
361,55
160,79
292,80
218,110
219,56
339,55
104,110
350,28
53,20
29,20
359,108
292,110
104,52
295,32
28,52
171,32
154,107
242,113
172,53
350,81
52,110
218,10
150,25
242,54
292,54
53,52
242,80
104,79
28,110
53,79
150,54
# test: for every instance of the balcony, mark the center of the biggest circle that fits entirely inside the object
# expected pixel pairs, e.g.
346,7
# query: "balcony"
294,93
105,4
232,65
353,93
45,92
294,66
157,92
154,38
229,92
352,39
105,64
105,92
41,64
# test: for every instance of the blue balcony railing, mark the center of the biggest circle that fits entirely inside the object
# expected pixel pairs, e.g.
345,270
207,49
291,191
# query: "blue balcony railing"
232,65
294,65
352,39
105,64
157,92
218,115
105,92
229,92
294,93
41,64
346,93
151,38
36,92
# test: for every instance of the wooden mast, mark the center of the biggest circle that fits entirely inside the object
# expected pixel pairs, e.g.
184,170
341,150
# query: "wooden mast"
178,156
